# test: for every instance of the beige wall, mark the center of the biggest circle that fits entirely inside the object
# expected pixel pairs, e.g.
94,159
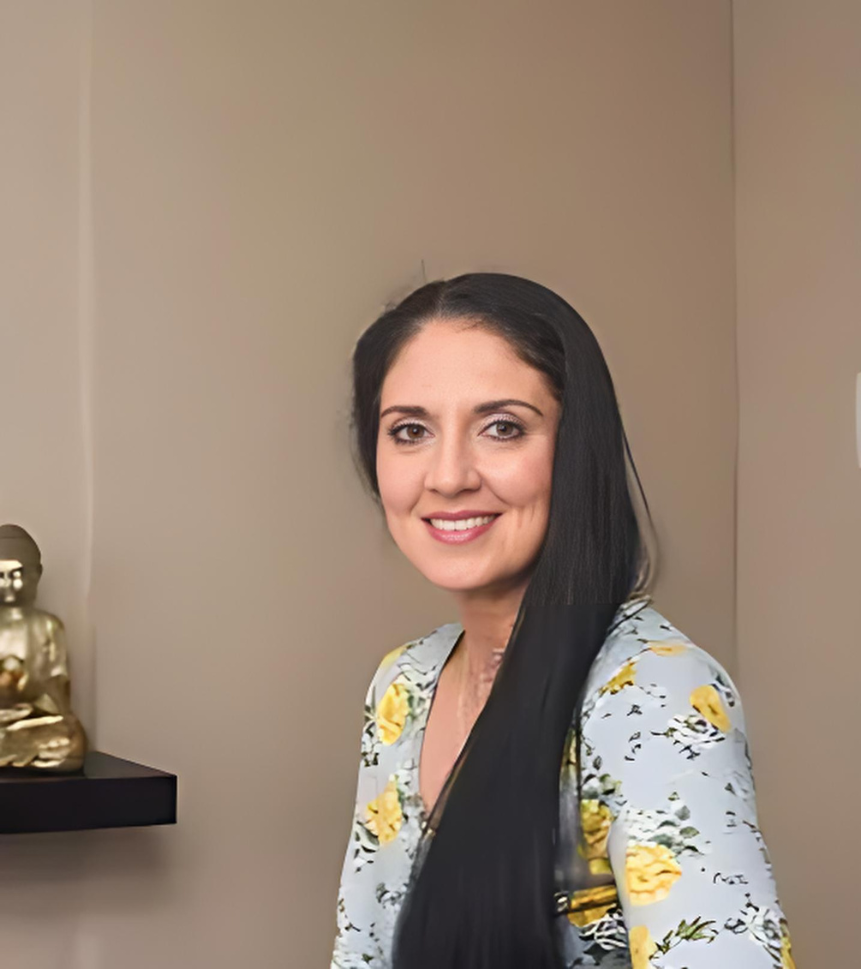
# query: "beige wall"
233,192
46,441
798,155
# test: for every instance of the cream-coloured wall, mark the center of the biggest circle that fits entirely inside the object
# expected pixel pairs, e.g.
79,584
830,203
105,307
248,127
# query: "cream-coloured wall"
45,442
47,896
798,155
265,176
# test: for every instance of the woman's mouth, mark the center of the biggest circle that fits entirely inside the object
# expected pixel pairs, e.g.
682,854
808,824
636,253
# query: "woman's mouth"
459,531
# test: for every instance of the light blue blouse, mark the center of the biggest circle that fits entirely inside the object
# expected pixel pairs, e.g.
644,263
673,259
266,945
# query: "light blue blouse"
661,865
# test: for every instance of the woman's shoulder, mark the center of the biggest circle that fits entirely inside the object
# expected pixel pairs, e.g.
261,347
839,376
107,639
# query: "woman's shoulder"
648,658
647,641
416,659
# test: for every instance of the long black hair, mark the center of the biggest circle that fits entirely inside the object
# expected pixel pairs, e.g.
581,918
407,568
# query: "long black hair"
480,893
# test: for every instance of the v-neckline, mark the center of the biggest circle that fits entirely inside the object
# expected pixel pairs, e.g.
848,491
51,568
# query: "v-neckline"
424,811
623,613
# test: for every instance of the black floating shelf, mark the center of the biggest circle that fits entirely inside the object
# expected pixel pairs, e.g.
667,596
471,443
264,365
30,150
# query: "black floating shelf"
107,792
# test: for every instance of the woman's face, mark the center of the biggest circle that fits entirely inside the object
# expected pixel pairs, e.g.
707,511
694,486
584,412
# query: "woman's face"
452,440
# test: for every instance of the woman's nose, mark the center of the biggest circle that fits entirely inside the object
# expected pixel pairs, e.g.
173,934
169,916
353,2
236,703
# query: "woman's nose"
453,467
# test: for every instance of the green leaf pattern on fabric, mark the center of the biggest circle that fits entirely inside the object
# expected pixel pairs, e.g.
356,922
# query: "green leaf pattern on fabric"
662,861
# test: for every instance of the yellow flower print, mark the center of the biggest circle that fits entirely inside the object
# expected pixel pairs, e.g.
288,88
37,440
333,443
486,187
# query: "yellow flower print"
650,872
383,816
392,712
668,649
642,947
625,677
595,819
706,700
391,656
786,960
591,904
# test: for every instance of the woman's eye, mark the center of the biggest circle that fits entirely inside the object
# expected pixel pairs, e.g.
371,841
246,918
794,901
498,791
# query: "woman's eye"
395,431
412,438
509,424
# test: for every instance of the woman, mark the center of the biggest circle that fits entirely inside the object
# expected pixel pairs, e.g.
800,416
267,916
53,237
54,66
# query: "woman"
488,429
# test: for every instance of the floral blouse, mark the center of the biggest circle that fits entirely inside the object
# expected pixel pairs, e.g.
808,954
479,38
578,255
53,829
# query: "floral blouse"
661,862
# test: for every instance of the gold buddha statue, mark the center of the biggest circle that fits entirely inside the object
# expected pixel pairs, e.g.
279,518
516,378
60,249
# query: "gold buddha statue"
37,727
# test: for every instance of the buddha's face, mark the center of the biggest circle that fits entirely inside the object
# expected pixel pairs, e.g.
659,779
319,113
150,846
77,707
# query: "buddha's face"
17,583
452,439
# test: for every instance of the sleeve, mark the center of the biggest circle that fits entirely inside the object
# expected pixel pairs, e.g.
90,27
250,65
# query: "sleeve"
692,870
359,911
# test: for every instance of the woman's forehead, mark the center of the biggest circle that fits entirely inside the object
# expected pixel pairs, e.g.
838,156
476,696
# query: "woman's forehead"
441,363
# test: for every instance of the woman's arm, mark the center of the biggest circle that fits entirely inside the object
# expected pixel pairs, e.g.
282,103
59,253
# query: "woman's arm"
666,741
357,942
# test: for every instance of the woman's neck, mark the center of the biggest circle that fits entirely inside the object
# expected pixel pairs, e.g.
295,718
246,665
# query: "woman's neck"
487,618
477,665
477,658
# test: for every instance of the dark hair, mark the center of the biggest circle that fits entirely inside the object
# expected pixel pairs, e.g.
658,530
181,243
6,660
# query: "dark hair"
480,893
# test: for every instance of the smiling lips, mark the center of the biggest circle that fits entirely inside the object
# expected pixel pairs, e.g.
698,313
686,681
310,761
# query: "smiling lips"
455,529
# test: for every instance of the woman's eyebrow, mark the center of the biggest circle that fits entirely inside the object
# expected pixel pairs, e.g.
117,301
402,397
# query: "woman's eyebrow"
490,405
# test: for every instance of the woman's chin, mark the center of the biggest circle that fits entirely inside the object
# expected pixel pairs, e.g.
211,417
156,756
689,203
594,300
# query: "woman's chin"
463,581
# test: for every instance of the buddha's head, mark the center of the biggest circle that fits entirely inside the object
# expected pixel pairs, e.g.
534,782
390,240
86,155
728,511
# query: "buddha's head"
20,566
